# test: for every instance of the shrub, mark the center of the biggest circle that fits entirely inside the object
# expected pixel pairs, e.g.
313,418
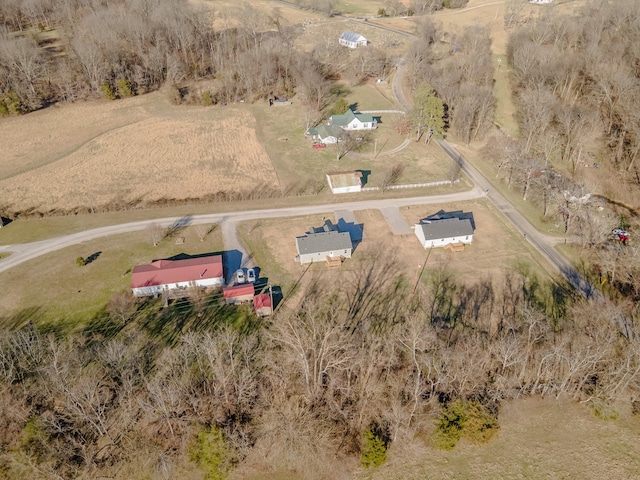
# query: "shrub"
81,261
213,454
124,87
459,419
107,91
10,104
374,451
341,106
206,99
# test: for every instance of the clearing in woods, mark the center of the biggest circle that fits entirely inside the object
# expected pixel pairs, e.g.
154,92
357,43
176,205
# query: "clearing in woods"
98,153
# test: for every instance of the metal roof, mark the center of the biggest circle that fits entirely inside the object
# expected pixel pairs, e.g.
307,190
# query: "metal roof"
345,179
323,242
162,272
447,228
346,118
351,37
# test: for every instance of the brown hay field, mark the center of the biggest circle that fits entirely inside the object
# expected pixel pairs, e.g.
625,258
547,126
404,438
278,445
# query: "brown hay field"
97,153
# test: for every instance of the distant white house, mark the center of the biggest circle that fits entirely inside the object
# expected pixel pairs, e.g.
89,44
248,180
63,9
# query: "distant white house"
352,40
345,182
445,228
353,121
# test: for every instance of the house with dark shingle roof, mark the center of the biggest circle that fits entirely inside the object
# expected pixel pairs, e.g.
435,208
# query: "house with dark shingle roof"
444,228
353,121
317,247
352,40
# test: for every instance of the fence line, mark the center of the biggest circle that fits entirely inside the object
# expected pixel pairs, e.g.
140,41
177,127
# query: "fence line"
410,185
381,111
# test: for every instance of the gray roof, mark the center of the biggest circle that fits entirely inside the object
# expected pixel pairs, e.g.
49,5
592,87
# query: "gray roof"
447,228
323,242
350,36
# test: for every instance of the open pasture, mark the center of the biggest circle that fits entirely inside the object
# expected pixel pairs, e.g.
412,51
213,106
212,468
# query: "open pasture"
53,289
140,149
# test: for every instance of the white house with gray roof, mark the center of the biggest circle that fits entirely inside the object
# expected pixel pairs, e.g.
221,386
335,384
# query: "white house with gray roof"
445,228
352,40
316,247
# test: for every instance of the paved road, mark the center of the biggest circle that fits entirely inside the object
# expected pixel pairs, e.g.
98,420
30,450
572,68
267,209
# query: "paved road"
540,242
28,251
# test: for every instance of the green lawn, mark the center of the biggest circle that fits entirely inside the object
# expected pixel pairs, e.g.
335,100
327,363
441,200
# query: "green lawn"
53,289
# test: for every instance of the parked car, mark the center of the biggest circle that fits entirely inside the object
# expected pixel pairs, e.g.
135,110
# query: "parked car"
251,275
240,278
319,145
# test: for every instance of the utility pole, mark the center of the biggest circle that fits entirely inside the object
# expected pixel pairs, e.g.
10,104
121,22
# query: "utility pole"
415,283
375,148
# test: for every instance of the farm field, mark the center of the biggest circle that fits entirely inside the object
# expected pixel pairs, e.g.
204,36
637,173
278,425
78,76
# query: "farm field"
53,289
161,151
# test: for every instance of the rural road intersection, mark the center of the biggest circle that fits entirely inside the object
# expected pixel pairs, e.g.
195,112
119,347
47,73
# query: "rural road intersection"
227,221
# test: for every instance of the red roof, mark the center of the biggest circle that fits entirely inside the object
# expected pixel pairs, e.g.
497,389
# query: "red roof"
238,291
262,300
162,272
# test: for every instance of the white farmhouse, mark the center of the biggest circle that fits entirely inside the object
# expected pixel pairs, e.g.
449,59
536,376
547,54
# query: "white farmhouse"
352,40
353,121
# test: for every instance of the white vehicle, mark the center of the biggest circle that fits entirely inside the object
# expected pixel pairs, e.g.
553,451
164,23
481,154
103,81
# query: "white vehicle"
251,275
240,278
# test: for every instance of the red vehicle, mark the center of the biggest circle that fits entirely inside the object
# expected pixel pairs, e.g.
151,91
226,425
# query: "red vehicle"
319,145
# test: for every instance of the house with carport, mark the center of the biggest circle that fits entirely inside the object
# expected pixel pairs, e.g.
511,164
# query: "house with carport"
445,228
160,276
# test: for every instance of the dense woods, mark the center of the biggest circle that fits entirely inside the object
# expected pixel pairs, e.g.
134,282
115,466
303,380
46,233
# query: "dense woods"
82,49
307,385
460,69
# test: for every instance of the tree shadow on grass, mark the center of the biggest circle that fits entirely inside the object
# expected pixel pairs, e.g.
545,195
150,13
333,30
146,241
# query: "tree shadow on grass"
170,323
22,318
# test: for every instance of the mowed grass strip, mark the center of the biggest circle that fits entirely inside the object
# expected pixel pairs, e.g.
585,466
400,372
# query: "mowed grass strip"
53,289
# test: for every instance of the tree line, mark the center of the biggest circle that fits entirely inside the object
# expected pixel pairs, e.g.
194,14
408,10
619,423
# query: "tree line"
85,48
344,372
